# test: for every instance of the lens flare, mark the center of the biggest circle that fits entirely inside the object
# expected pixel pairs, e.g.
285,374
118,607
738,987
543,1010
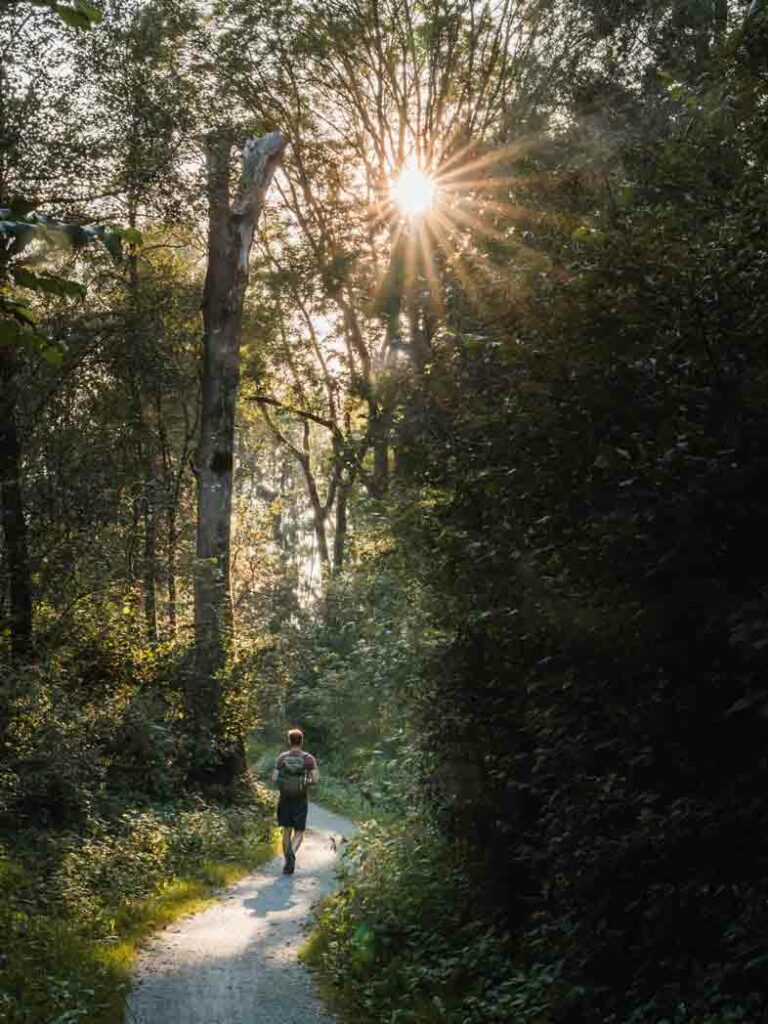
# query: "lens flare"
413,192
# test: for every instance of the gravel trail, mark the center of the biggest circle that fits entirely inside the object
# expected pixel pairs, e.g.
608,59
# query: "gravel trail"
235,963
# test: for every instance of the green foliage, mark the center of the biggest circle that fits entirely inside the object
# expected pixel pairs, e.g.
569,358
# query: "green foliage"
20,227
363,784
80,14
588,514
580,500
73,905
354,671
549,635
99,716
52,284
402,940
90,861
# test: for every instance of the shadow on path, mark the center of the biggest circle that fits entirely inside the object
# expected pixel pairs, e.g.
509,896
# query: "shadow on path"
235,963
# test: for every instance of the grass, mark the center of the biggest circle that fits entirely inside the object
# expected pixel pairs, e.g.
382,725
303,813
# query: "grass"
311,954
55,974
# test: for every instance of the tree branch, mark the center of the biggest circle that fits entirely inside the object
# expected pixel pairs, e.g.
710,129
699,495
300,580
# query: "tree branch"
263,400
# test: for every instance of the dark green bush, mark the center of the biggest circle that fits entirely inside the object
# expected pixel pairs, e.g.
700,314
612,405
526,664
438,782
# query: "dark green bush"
68,897
402,939
581,506
99,837
97,717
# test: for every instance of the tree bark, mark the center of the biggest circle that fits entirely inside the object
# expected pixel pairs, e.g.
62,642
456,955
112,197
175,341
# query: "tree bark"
340,534
230,237
150,547
378,426
318,515
173,541
14,524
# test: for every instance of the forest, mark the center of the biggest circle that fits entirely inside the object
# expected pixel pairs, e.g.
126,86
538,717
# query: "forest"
397,369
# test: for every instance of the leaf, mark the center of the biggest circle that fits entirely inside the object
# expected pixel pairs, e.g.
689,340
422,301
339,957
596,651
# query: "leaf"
626,195
92,13
9,331
73,18
14,227
52,284
20,311
131,235
113,243
52,354
20,207
14,333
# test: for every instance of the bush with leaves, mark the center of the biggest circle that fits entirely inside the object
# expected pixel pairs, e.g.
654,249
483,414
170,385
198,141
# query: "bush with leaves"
68,898
402,939
353,666
589,468
581,502
97,718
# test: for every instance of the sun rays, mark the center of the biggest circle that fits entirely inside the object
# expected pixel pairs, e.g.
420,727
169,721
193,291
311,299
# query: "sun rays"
431,221
413,191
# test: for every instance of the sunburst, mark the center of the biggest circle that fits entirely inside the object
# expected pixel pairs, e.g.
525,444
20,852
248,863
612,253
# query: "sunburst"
433,215
413,191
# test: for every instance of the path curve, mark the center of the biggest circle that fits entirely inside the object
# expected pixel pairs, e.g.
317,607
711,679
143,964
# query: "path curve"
235,963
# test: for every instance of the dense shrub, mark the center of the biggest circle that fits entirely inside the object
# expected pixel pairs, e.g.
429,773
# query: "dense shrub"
402,941
100,841
69,898
95,716
581,501
354,668
588,513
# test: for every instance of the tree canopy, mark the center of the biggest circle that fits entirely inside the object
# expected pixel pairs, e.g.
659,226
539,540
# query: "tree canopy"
395,368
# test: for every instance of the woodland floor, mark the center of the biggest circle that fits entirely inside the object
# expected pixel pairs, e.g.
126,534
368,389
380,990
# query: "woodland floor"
236,962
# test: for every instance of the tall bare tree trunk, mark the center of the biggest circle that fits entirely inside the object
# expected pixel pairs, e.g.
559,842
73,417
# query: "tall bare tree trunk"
149,571
340,534
14,524
230,237
173,541
378,427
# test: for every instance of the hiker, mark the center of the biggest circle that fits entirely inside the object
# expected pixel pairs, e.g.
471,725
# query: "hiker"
294,771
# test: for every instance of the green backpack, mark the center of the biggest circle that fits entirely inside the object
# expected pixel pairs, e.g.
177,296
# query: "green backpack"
292,776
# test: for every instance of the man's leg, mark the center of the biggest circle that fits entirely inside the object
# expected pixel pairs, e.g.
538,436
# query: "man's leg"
298,838
287,843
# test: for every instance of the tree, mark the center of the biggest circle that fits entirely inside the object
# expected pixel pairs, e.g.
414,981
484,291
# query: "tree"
232,224
127,171
363,90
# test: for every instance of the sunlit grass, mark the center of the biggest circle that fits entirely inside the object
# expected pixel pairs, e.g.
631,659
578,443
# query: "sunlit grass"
55,972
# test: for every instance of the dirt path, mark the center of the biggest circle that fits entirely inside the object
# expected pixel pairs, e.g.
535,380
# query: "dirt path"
235,963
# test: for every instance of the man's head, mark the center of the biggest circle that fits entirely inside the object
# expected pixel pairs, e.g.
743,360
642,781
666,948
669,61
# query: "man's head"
296,737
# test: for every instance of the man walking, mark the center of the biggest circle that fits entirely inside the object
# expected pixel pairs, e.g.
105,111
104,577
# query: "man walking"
294,771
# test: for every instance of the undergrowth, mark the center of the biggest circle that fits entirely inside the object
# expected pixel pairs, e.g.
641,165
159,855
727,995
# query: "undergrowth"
401,940
404,941
75,904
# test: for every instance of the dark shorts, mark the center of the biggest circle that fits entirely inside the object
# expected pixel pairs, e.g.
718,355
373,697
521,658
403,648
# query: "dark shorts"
292,812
